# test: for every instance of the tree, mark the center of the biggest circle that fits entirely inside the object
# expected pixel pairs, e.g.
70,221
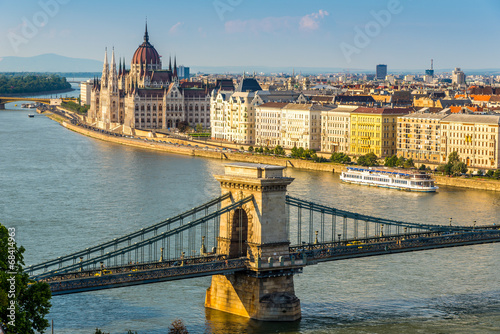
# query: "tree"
489,173
453,157
177,327
400,162
369,159
250,149
278,150
496,174
199,127
340,157
98,331
391,161
422,167
409,163
24,303
458,167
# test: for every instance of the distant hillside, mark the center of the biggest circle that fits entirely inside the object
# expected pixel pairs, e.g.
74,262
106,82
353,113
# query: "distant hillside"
49,63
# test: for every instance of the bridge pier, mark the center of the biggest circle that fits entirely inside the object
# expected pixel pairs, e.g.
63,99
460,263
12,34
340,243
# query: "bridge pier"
2,106
257,231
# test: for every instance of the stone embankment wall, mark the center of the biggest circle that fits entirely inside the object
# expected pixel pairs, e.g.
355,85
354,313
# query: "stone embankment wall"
473,183
480,184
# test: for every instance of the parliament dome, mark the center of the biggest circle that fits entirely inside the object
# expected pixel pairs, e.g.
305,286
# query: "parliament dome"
146,53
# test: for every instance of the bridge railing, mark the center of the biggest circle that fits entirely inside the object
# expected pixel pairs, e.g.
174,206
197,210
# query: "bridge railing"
312,223
182,242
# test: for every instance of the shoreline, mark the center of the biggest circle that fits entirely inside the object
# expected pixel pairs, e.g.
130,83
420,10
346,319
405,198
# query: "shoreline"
149,144
28,95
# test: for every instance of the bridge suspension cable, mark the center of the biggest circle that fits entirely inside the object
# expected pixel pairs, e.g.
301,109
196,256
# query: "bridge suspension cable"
128,238
334,224
145,248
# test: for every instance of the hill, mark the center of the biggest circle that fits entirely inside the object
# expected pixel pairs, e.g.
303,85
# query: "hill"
49,63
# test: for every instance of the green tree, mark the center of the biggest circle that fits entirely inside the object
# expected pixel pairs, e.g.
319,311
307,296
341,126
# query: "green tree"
422,167
23,302
489,173
409,163
340,157
453,157
458,167
391,161
177,327
496,174
400,162
250,149
199,127
278,150
369,159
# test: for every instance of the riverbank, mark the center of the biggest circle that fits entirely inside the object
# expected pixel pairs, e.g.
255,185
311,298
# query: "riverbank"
209,150
39,93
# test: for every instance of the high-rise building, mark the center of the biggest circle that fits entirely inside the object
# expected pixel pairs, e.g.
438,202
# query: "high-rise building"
430,72
381,71
457,76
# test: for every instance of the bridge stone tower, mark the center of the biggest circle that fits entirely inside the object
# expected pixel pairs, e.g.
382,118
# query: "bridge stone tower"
257,231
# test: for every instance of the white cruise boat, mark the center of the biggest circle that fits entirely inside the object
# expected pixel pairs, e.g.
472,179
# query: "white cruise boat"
389,178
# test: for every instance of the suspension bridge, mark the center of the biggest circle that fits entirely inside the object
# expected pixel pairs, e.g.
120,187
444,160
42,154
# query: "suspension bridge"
252,240
4,100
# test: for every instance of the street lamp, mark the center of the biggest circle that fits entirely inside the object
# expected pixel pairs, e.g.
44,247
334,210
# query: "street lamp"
339,235
450,221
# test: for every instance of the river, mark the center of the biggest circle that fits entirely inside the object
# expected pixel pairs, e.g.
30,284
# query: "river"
64,192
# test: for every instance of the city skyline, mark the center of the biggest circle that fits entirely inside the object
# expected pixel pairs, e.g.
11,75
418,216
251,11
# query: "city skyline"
401,34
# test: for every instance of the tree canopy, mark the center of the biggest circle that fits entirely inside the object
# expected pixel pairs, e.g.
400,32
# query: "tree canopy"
369,159
23,302
31,83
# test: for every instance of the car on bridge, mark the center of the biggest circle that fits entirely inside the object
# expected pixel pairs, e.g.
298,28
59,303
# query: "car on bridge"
103,272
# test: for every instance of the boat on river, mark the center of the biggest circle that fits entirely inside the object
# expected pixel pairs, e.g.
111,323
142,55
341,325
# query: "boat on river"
411,180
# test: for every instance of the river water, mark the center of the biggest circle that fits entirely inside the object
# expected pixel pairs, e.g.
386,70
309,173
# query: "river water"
64,192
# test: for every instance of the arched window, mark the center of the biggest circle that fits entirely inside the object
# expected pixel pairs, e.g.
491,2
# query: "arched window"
149,108
160,108
136,107
196,108
154,107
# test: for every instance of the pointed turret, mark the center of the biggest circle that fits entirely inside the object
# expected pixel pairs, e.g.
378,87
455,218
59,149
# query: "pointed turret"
105,69
170,63
146,36
175,67
113,77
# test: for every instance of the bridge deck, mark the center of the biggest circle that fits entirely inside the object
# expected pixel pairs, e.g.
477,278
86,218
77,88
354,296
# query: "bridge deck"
307,254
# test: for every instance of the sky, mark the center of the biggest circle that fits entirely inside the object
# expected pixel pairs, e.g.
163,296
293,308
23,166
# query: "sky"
404,34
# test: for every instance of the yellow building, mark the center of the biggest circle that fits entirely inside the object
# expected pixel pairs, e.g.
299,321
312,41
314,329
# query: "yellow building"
375,130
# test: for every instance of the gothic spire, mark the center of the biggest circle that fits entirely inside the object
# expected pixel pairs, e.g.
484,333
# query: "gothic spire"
170,63
146,36
175,66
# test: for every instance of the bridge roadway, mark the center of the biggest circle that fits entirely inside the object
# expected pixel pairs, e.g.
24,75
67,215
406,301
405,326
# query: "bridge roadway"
302,255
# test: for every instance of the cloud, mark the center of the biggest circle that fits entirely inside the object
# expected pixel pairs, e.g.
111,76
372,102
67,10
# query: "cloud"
202,32
310,22
257,26
175,28
276,25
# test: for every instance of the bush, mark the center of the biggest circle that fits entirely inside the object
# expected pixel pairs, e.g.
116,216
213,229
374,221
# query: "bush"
250,149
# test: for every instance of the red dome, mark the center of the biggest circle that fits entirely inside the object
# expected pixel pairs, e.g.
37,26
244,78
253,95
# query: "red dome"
146,53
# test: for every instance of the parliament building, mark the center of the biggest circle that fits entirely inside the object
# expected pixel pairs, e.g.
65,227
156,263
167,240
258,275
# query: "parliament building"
146,96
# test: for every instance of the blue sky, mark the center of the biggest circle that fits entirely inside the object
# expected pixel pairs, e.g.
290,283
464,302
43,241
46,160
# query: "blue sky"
405,34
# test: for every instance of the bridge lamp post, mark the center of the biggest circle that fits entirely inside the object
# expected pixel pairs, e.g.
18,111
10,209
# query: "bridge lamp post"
474,226
339,235
450,221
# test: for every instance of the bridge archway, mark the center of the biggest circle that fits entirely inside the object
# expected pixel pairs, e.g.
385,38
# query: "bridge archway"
239,233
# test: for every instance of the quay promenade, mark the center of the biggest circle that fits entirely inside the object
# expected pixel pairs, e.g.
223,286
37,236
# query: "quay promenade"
212,149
